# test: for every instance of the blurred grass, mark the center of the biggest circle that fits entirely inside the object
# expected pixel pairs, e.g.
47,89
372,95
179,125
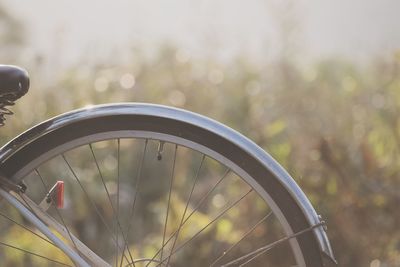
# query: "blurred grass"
334,125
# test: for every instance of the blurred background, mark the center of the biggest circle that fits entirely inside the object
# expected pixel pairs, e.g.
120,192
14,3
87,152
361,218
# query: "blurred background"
315,83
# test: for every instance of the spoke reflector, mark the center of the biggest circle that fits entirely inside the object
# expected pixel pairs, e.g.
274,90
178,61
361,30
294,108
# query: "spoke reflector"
60,194
54,196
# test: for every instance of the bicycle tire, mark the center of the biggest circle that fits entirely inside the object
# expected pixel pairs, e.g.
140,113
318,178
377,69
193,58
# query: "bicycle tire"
39,149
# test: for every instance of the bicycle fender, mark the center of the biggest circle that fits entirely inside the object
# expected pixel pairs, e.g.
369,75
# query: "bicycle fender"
201,121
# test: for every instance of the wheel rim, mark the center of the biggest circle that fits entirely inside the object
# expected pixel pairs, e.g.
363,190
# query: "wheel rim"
181,142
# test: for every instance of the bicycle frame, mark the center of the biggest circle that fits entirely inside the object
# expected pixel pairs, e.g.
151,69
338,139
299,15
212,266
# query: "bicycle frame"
33,218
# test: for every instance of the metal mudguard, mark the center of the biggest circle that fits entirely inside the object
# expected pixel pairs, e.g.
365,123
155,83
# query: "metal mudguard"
177,114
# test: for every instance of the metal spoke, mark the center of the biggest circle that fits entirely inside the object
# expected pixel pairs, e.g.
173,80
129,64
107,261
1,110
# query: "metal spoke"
211,222
252,258
91,202
46,188
32,210
169,201
193,211
27,229
138,176
125,238
227,171
240,239
34,254
186,207
109,199
254,254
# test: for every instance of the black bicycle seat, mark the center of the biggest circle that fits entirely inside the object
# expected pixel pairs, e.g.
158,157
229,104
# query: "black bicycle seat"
14,81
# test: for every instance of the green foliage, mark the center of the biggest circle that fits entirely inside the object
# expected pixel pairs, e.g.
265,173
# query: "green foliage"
334,125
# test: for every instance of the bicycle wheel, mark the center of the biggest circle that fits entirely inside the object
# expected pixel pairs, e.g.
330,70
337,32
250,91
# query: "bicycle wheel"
157,189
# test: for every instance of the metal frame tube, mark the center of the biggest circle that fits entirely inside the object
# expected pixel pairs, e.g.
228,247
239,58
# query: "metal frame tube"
43,228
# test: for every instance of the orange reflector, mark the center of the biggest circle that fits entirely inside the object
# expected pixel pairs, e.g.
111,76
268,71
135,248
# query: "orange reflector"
59,186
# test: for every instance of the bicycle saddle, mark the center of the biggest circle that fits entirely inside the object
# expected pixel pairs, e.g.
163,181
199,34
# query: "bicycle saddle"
14,82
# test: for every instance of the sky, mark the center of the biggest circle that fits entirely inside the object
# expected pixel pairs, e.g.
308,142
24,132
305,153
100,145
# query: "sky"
70,30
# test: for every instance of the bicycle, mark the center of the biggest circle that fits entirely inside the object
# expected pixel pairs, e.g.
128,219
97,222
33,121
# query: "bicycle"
110,210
